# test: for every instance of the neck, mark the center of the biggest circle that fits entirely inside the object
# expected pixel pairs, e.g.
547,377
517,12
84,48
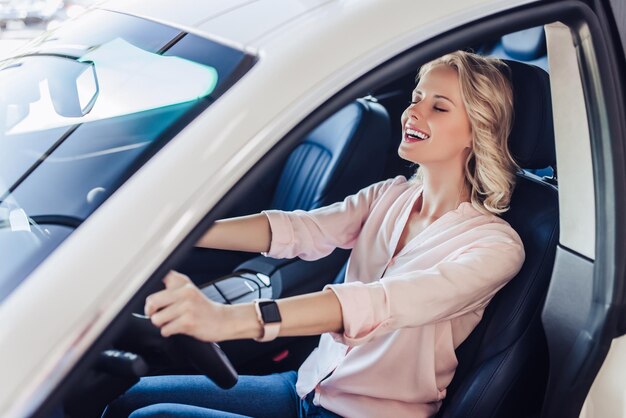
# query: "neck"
443,189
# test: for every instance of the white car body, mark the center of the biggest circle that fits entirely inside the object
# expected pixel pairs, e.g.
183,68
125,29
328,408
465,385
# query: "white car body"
308,51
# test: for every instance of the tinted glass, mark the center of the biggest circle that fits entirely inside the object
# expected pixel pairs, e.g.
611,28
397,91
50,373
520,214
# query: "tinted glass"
82,110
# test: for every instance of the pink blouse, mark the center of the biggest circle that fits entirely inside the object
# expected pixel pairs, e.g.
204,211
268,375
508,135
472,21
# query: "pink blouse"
403,316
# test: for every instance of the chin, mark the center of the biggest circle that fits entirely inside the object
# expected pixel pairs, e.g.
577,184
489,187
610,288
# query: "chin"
407,157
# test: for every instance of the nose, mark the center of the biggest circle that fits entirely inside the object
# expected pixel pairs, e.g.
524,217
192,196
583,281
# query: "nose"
413,111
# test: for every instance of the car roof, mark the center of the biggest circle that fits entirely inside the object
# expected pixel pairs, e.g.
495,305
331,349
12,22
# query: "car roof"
251,23
237,21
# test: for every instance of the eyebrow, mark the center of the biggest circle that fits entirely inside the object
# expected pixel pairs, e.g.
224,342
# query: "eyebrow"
436,96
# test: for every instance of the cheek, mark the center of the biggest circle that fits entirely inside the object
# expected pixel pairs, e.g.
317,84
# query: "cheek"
461,132
465,136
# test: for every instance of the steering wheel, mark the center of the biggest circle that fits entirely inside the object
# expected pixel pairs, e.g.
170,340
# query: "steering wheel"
207,358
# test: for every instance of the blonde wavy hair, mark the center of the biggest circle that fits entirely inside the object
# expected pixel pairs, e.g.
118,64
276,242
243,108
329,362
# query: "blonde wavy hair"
488,98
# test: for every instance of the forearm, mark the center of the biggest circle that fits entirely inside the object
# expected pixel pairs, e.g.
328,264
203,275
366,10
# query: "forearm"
311,314
246,233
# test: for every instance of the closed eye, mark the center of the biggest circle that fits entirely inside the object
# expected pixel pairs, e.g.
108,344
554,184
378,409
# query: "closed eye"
437,109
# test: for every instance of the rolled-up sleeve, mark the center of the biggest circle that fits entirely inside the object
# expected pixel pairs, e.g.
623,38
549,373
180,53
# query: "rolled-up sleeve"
314,234
464,283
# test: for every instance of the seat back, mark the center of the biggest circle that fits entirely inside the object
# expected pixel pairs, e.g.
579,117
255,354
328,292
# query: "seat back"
502,367
338,158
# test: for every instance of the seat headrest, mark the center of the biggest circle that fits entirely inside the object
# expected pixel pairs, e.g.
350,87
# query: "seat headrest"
532,136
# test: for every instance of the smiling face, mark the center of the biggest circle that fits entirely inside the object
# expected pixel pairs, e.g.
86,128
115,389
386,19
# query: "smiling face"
435,126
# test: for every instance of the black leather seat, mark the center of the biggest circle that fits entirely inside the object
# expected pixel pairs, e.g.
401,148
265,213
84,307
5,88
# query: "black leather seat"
338,158
502,368
334,160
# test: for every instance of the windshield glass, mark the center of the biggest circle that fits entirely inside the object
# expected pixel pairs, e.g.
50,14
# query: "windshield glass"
81,110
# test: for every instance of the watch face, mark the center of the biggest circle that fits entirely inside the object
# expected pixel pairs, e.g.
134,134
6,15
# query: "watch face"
269,312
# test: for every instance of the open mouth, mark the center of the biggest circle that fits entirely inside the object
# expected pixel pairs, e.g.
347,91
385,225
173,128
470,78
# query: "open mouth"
412,135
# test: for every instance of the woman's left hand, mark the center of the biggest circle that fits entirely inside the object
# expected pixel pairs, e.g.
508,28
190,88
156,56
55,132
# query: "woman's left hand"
183,309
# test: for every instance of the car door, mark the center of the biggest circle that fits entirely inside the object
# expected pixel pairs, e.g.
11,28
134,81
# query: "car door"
604,323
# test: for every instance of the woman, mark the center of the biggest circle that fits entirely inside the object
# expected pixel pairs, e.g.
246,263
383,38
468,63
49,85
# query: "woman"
428,254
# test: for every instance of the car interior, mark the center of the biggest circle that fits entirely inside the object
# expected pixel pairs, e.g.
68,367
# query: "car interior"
503,364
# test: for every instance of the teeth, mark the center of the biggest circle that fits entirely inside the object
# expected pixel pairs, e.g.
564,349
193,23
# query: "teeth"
418,134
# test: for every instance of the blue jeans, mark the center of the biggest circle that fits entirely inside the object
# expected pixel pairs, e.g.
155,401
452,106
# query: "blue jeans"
196,396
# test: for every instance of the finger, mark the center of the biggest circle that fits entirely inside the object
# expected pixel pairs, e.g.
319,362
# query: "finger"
166,297
159,300
174,280
170,313
181,325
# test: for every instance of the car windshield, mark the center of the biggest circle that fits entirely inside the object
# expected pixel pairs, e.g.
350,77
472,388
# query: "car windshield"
81,109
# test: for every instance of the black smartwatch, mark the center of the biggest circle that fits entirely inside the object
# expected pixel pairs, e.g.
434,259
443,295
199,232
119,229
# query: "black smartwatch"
269,316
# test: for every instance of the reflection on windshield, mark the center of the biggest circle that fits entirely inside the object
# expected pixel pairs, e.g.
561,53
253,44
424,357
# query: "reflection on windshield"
111,80
82,111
